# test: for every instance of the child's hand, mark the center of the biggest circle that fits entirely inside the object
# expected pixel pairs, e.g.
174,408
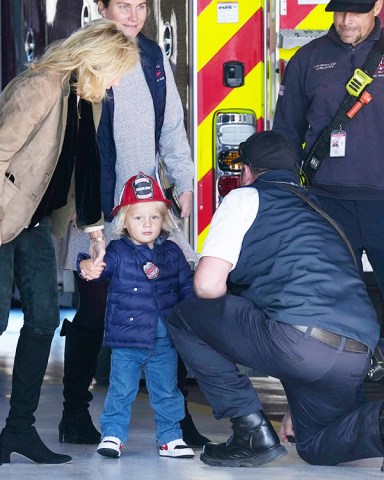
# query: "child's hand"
90,271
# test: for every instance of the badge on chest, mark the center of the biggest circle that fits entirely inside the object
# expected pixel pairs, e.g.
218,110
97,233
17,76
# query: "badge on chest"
338,143
151,270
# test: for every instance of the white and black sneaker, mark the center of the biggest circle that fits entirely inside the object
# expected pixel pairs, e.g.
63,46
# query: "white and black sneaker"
110,447
176,449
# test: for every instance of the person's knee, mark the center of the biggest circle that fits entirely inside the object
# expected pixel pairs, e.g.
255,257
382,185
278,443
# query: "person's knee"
313,456
42,323
39,330
177,316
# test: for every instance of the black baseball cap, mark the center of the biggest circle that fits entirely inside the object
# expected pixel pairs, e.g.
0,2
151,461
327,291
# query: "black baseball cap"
355,6
267,150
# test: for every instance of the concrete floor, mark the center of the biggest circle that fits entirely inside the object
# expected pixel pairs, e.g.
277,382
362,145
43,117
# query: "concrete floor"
140,459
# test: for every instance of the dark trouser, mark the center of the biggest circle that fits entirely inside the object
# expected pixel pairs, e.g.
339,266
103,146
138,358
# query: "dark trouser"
92,302
362,222
320,381
29,259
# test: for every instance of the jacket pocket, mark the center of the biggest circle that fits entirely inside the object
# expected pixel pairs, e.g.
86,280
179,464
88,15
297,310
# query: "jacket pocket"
17,209
9,191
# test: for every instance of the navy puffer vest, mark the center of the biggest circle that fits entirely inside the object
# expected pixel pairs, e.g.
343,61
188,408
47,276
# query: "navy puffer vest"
151,58
296,268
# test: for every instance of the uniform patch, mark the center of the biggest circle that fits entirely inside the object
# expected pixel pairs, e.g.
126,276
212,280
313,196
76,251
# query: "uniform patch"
324,66
151,270
380,69
142,187
159,74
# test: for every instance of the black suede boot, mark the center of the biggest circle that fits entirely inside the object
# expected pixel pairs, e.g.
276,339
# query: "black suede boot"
254,442
191,436
18,435
81,349
30,445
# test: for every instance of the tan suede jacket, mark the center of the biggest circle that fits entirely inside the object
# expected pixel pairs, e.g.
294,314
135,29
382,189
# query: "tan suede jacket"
33,113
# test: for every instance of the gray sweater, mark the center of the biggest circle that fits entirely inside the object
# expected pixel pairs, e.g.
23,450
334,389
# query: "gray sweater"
134,132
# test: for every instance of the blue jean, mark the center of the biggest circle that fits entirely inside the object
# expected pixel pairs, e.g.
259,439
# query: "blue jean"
30,260
160,368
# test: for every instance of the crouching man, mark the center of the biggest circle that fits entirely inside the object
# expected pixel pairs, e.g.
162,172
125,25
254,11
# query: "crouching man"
298,312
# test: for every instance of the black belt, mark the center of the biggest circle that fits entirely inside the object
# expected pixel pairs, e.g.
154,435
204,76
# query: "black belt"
333,339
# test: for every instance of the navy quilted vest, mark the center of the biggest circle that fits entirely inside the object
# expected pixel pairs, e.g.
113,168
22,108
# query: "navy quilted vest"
151,58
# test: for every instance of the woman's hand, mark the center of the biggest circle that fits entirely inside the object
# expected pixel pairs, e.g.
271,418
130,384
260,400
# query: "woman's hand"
185,201
90,271
97,247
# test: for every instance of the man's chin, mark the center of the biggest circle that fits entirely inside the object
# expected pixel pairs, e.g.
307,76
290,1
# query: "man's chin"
350,39
129,31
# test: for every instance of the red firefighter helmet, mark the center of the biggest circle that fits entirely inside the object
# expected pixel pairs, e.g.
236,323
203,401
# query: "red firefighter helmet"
139,189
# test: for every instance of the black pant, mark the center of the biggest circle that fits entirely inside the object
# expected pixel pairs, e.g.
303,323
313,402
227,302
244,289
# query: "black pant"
319,380
29,259
92,302
362,222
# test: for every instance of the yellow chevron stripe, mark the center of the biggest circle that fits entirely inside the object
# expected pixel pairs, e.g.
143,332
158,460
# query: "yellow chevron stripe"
201,238
216,35
317,19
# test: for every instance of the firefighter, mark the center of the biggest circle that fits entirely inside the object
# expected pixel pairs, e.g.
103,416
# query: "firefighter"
298,312
349,182
142,119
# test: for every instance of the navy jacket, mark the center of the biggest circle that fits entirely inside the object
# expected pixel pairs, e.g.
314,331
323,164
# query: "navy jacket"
295,266
135,303
151,58
312,90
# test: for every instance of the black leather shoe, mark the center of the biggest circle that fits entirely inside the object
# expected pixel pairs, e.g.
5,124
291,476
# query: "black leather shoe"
254,442
30,445
79,429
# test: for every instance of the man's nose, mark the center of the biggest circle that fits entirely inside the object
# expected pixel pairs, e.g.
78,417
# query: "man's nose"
347,18
132,14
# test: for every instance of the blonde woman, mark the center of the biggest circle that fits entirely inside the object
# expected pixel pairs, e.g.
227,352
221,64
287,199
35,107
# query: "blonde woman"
49,169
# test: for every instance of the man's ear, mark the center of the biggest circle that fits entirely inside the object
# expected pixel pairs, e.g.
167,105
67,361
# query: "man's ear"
101,8
377,8
247,177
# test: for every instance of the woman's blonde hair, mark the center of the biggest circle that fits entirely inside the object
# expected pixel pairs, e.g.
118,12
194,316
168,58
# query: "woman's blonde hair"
97,54
120,230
